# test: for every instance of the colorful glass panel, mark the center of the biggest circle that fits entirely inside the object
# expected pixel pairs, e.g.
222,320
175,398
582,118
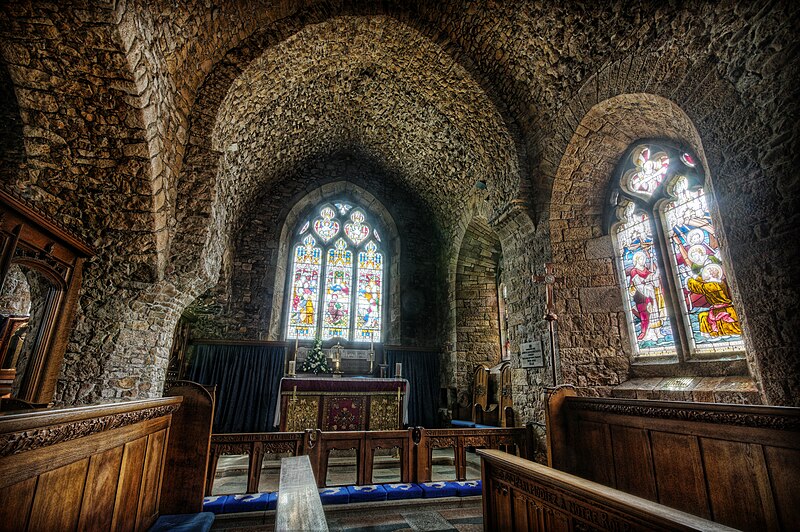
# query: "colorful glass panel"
694,250
648,173
642,287
326,227
357,231
305,227
377,236
338,283
344,208
305,289
369,291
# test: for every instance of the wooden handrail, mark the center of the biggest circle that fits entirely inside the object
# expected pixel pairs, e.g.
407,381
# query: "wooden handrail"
416,449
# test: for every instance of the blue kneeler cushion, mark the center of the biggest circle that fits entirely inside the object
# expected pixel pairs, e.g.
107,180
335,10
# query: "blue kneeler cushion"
334,495
370,492
201,522
251,502
467,488
395,492
462,424
434,490
214,503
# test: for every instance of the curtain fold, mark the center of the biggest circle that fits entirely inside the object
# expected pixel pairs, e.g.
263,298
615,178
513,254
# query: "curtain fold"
421,369
247,379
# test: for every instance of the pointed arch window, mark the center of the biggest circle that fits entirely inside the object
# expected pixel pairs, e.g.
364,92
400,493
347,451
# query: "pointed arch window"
671,268
337,277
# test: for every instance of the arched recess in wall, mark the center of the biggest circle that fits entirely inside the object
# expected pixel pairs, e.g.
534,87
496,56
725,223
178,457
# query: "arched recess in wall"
330,192
595,347
477,300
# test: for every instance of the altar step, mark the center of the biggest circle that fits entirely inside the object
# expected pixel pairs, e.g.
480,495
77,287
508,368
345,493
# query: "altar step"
447,513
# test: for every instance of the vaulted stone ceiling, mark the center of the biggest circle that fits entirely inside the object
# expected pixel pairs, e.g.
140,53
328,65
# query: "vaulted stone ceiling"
148,124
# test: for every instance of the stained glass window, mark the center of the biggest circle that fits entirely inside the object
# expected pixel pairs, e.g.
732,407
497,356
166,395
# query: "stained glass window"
677,299
341,293
370,287
305,292
699,272
338,281
643,287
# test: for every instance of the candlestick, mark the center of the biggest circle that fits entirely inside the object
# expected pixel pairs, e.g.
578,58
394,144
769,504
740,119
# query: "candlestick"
398,370
292,368
294,393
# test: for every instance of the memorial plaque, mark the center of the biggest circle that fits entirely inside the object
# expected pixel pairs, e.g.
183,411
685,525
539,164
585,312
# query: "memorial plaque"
531,354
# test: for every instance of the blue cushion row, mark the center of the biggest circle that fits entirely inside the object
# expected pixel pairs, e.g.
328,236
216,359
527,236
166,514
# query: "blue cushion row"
469,424
345,494
201,522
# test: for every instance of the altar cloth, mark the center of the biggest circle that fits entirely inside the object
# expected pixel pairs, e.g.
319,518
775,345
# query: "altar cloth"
347,403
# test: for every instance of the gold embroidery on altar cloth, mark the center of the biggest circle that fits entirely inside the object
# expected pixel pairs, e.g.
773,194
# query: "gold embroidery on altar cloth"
302,414
384,413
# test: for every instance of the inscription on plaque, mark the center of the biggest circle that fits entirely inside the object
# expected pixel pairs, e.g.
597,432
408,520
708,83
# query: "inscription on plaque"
531,354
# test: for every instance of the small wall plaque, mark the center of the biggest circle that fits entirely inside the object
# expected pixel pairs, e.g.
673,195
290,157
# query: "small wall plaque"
531,354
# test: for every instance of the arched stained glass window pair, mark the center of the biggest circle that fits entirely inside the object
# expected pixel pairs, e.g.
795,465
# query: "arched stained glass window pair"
337,266
672,273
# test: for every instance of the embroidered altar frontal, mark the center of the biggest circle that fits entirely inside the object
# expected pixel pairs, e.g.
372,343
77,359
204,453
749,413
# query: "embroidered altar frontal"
333,404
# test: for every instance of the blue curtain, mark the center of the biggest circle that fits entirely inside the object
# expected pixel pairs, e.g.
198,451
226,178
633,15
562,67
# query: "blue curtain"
421,368
247,379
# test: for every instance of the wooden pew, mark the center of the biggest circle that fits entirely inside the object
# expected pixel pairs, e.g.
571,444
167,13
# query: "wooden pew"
735,464
523,495
88,468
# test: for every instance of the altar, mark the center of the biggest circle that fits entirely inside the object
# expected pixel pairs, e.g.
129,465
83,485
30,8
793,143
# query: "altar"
335,404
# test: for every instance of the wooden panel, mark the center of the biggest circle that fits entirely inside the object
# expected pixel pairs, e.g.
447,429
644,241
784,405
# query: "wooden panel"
783,465
679,473
522,513
15,505
127,501
57,502
568,502
737,478
151,480
594,455
101,490
634,463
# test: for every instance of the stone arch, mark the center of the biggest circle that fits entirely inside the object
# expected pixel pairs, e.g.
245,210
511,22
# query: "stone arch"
291,218
477,313
215,152
594,346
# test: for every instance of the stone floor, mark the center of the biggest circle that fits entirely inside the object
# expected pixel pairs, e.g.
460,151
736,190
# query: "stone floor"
231,475
461,514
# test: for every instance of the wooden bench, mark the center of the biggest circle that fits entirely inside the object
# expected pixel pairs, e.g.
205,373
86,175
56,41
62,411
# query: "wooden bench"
523,495
103,467
734,464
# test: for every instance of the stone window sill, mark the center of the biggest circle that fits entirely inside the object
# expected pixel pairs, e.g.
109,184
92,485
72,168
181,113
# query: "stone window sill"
738,390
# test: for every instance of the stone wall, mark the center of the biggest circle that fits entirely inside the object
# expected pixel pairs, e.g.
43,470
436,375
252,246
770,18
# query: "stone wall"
152,128
477,310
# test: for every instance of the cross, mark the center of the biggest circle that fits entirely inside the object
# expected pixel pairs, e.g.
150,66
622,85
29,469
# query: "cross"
549,279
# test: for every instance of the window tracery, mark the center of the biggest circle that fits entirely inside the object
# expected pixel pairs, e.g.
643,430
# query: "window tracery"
671,268
333,308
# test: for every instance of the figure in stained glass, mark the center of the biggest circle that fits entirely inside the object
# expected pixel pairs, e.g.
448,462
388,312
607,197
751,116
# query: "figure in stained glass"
305,294
326,227
357,231
644,291
694,249
336,318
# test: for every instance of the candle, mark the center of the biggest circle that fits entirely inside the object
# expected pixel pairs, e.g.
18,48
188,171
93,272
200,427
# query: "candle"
291,367
296,341
371,341
398,370
294,393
